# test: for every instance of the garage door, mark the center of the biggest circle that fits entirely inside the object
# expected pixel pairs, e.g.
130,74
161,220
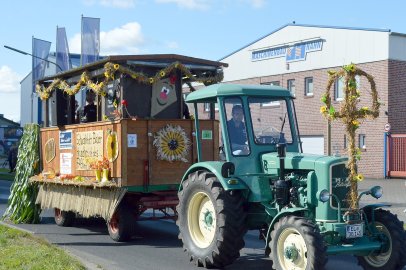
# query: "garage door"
313,144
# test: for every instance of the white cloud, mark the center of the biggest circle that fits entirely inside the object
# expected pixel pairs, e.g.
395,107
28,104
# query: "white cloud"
188,4
125,39
9,80
111,3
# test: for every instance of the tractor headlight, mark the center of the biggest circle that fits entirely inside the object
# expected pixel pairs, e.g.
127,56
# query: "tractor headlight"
376,192
324,195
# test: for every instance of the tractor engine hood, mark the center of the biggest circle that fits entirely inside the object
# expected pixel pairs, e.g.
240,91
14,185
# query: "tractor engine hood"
298,161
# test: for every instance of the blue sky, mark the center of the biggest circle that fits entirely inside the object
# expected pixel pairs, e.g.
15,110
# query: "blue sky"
200,28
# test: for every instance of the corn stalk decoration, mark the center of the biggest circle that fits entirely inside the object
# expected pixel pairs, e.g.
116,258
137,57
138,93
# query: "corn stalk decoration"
350,114
21,202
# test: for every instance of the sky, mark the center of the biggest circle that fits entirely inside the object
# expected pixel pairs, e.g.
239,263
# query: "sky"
209,29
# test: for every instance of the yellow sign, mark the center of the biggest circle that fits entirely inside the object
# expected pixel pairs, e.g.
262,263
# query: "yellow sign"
89,146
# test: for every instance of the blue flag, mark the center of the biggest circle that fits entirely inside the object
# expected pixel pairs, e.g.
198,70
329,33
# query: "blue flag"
90,44
40,49
62,50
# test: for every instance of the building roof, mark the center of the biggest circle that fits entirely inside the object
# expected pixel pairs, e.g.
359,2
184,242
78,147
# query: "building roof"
210,93
7,122
307,25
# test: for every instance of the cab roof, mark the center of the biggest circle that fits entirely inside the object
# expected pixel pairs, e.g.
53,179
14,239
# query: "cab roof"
210,93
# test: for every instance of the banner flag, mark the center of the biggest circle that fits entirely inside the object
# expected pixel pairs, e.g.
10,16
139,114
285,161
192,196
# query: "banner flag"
40,49
90,45
62,50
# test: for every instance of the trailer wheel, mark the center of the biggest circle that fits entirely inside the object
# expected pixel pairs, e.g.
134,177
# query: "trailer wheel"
297,244
211,221
64,218
393,254
121,225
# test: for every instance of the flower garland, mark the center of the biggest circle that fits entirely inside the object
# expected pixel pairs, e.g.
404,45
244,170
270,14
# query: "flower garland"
112,70
349,114
172,143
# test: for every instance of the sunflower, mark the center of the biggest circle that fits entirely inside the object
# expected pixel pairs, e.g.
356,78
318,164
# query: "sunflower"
323,109
359,177
172,144
112,146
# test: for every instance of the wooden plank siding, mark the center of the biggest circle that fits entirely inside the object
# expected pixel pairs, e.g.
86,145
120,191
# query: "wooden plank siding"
129,169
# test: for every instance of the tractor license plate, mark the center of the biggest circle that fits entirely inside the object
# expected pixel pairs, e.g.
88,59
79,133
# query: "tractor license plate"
354,231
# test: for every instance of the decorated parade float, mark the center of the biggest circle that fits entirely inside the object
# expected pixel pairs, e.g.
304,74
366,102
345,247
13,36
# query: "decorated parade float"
138,148
140,153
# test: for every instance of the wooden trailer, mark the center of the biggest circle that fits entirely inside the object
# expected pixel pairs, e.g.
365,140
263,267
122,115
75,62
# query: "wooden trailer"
141,134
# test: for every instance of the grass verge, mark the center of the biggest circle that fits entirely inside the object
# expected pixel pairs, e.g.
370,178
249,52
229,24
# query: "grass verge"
20,250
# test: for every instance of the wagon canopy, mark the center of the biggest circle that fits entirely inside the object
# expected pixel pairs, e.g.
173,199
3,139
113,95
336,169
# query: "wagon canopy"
150,86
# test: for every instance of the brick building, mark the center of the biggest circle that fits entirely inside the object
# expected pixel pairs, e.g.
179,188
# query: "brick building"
298,57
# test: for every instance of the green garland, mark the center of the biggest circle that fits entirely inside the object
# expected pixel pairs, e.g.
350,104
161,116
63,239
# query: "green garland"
111,70
349,114
21,203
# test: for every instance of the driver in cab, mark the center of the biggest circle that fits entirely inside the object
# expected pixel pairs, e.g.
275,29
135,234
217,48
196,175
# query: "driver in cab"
237,131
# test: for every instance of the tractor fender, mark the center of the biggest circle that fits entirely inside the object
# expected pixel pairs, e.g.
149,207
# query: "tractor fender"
286,212
372,207
215,168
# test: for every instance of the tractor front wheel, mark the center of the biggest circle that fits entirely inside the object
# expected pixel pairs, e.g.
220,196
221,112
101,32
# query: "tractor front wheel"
296,243
393,253
211,221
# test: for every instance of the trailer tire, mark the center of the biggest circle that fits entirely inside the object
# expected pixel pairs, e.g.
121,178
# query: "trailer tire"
211,221
394,255
305,243
64,218
121,225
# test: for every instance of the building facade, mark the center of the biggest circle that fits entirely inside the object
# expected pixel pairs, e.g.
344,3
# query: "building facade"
298,57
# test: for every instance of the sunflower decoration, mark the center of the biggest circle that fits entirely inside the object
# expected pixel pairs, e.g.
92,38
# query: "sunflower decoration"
112,146
172,144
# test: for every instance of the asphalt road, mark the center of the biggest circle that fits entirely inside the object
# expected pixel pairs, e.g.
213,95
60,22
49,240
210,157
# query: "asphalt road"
156,245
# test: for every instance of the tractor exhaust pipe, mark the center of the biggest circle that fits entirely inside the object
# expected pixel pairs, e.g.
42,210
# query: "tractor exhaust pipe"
281,186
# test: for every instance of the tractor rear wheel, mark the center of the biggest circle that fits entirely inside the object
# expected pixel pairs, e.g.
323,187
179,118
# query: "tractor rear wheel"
393,255
121,225
297,244
64,218
211,221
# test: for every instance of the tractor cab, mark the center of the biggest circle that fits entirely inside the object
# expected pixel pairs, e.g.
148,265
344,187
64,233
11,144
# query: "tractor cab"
254,119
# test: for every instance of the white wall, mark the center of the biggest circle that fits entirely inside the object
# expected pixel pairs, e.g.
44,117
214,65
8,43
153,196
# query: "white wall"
29,100
397,46
340,47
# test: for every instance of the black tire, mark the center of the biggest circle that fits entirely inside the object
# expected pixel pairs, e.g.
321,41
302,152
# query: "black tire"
64,218
308,248
394,255
215,240
121,225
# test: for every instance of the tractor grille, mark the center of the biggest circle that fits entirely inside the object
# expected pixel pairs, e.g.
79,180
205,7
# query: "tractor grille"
340,185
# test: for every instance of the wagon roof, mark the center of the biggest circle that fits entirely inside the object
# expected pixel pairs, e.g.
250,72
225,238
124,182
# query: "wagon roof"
210,93
147,60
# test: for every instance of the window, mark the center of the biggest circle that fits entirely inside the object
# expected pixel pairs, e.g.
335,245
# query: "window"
207,107
271,103
345,141
339,87
291,86
273,125
237,130
309,86
362,142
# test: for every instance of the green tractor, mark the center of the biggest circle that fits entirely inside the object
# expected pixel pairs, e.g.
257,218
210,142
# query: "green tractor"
262,181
